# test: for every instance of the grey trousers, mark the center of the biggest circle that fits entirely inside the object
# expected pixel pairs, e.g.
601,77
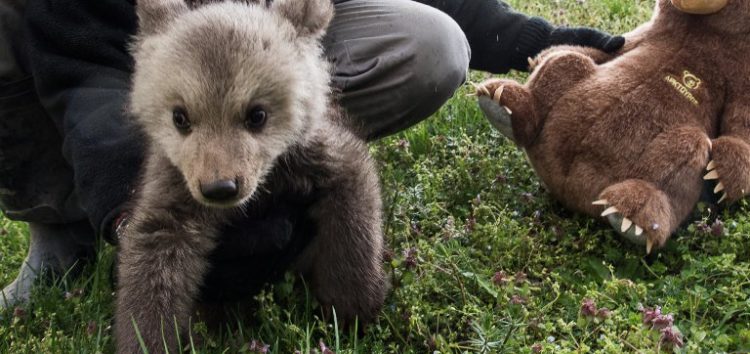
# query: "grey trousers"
395,63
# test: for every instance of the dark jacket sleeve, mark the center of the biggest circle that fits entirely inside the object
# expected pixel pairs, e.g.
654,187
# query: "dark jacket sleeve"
500,38
81,68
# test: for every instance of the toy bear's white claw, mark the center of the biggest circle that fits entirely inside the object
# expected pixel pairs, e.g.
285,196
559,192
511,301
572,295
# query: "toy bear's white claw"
498,94
610,210
626,224
600,202
719,187
711,165
711,175
638,230
723,197
508,110
532,63
476,89
649,245
481,90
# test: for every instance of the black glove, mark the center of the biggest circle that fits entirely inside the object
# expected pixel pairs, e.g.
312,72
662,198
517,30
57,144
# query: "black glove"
538,35
587,37
255,250
252,250
502,38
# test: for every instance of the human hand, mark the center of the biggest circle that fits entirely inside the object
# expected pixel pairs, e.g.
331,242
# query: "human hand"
587,37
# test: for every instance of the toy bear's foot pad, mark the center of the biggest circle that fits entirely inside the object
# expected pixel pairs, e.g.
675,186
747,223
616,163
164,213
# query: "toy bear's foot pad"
490,96
714,174
626,227
497,115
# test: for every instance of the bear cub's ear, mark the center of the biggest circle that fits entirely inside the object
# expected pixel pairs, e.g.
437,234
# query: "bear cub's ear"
155,15
309,17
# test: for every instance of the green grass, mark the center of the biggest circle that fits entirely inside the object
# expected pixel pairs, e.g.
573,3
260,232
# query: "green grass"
483,261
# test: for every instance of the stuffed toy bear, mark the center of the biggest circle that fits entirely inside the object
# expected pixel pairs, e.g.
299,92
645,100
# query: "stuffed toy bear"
628,137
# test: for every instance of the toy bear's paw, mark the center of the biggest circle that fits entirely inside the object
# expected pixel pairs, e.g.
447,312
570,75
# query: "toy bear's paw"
490,101
509,106
638,211
730,167
493,90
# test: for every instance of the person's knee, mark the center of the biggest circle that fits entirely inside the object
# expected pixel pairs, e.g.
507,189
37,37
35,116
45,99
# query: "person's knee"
441,56
397,62
438,63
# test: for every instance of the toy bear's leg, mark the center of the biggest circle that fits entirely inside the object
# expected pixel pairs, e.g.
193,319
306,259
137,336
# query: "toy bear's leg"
730,166
344,260
647,209
558,71
598,56
528,105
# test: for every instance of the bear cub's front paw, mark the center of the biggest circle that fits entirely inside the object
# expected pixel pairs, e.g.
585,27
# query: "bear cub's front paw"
730,167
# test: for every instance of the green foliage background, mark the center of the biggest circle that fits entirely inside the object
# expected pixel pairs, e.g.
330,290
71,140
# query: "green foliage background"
462,205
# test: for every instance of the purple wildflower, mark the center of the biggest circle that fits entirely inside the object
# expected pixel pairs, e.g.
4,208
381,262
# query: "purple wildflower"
588,308
717,228
470,224
650,314
603,313
655,319
521,277
662,321
258,347
517,300
324,349
410,257
500,278
672,336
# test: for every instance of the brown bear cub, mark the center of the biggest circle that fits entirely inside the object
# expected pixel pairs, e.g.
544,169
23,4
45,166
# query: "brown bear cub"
234,101
629,137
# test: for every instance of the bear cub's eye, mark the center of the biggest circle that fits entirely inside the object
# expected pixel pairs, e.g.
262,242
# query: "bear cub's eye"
180,119
255,118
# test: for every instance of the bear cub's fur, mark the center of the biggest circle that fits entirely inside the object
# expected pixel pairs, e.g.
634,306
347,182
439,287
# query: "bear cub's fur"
631,137
234,101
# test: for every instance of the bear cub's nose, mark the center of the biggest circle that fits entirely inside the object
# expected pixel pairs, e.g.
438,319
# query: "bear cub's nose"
221,190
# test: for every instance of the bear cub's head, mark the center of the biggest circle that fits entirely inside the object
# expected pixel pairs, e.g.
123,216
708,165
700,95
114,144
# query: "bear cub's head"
727,17
223,90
